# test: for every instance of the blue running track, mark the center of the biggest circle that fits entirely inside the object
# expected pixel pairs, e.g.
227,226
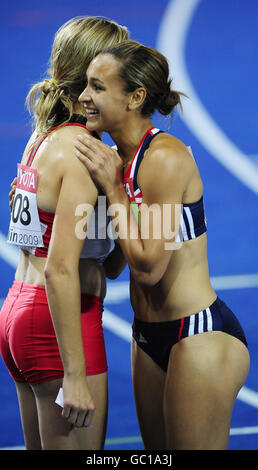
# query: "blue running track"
212,48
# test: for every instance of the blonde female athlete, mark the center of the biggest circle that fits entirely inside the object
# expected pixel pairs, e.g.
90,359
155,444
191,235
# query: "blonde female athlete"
189,352
51,334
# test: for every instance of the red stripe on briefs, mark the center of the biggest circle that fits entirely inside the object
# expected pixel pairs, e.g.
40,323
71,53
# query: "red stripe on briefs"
181,328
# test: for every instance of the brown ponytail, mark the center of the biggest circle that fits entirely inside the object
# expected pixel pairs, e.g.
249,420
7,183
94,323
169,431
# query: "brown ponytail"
169,100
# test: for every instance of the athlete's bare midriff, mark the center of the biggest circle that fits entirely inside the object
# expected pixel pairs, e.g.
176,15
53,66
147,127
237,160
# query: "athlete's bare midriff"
184,289
30,270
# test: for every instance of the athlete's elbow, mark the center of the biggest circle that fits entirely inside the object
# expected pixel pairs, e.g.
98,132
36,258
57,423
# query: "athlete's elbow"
56,271
147,278
150,270
113,271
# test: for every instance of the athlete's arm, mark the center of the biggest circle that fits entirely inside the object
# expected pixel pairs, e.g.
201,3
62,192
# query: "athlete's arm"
149,245
115,263
162,179
63,285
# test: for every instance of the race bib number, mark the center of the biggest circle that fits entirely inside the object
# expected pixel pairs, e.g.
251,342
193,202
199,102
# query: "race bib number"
25,227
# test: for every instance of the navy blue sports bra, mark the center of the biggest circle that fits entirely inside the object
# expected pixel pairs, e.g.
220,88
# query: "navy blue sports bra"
193,220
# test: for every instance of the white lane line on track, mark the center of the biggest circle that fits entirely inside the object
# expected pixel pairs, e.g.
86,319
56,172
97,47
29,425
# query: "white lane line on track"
236,281
118,291
242,431
117,325
171,42
248,396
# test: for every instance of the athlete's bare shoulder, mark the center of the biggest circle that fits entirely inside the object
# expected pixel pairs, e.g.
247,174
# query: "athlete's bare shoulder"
168,146
168,153
64,135
58,147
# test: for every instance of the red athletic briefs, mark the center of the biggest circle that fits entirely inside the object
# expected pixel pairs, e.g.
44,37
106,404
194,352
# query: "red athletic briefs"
28,342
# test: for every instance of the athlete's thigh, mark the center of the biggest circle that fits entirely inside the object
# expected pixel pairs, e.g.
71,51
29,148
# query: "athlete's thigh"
94,437
54,429
29,416
205,373
148,384
56,432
